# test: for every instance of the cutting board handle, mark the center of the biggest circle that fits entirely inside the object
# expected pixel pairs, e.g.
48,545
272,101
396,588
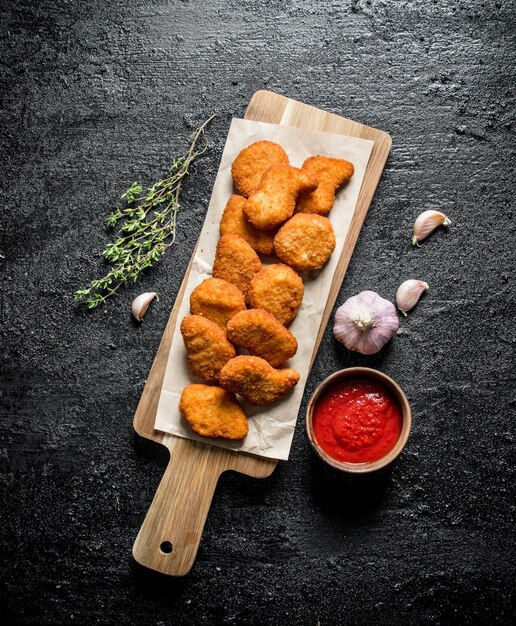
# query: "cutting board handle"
171,532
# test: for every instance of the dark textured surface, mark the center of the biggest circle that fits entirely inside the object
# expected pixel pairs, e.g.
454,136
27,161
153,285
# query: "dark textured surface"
96,94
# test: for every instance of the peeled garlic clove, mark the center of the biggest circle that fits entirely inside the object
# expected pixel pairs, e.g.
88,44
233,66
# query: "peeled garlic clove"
141,304
426,223
409,293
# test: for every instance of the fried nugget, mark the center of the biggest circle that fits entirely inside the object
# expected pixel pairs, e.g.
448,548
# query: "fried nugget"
234,222
262,335
305,242
255,380
217,300
212,412
236,262
330,174
251,163
278,290
207,347
274,200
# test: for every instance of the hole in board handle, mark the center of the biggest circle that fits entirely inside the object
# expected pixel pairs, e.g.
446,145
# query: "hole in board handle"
166,547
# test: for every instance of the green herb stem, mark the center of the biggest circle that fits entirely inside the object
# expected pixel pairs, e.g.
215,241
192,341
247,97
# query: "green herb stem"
146,227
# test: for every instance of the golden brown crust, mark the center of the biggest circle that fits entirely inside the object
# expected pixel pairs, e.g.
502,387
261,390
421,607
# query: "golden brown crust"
255,380
305,242
251,163
217,300
206,345
213,412
274,200
234,222
278,290
236,262
262,335
330,174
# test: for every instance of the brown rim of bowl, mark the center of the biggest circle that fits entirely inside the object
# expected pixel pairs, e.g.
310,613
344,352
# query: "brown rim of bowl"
397,392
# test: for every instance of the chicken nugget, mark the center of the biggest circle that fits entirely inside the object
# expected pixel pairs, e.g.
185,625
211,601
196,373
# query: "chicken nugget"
274,200
236,262
251,163
234,222
255,380
217,300
331,174
305,242
207,347
278,290
212,412
262,335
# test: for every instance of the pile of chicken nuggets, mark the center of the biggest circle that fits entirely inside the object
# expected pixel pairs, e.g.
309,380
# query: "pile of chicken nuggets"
278,210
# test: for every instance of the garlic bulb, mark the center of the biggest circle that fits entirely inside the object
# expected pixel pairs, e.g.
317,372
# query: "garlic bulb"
365,323
141,304
409,293
426,223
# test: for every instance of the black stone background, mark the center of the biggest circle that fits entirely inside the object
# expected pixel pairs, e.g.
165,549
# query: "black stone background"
98,94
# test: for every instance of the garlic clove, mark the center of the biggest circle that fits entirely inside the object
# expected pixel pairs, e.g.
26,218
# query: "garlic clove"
409,293
426,223
141,304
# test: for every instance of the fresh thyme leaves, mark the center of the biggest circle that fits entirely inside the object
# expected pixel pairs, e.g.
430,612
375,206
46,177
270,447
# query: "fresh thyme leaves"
147,227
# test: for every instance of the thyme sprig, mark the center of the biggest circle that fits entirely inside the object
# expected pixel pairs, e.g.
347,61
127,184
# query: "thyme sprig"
147,227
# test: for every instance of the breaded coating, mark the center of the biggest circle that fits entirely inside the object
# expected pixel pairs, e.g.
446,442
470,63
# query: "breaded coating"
262,335
330,174
278,290
251,163
255,380
207,347
217,300
212,412
305,242
274,200
234,222
236,262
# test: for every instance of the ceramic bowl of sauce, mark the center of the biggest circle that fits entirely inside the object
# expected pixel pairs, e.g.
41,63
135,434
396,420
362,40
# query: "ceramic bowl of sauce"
358,420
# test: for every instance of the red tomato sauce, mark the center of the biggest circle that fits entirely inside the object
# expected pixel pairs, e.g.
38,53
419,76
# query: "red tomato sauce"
357,421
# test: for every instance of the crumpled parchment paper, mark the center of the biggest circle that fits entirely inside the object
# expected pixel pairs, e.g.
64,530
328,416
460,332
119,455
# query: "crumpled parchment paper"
270,428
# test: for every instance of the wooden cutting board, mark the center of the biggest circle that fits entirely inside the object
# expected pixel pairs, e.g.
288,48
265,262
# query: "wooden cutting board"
169,537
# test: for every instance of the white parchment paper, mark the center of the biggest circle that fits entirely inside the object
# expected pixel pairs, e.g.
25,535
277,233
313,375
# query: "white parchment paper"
270,428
